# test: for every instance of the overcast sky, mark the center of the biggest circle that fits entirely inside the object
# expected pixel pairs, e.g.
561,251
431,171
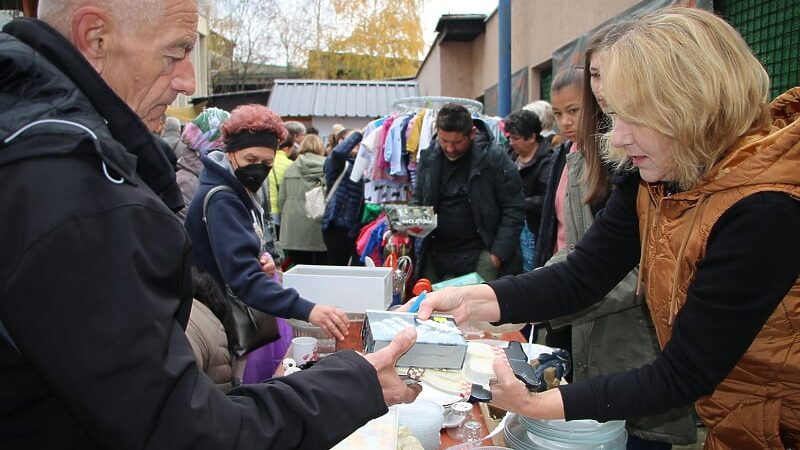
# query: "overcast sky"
433,9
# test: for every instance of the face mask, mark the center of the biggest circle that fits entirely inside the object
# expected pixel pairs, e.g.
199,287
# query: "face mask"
252,176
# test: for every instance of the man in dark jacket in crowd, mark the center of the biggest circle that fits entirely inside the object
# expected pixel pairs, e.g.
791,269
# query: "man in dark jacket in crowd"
96,285
477,193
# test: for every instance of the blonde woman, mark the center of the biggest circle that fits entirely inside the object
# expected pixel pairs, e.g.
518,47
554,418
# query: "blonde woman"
710,210
300,236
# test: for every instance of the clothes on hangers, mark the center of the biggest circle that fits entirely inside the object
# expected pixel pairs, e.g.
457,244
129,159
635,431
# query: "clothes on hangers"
395,146
426,133
386,191
367,150
387,155
414,132
370,238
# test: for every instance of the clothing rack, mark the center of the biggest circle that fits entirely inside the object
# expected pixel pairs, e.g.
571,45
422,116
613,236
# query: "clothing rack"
405,104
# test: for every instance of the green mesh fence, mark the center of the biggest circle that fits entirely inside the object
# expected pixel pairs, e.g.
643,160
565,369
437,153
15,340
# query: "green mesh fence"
772,30
546,79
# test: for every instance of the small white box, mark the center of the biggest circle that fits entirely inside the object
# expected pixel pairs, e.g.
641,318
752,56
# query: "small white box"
354,289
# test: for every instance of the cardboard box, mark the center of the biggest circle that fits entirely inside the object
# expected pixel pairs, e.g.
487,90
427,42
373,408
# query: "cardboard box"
354,289
434,349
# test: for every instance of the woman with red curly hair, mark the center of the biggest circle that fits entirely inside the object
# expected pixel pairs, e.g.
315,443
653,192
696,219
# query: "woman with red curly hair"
236,222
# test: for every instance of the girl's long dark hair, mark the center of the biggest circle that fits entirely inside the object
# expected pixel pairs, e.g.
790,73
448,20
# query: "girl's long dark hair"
594,123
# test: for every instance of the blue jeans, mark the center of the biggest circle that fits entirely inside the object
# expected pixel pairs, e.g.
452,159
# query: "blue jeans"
528,244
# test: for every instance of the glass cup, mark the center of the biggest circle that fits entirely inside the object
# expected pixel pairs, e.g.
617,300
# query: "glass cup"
456,415
471,431
468,430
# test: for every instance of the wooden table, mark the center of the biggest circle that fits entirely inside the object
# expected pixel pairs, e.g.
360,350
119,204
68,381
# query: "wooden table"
476,414
446,440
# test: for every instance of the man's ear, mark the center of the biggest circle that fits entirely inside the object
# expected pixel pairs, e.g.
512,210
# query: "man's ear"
91,33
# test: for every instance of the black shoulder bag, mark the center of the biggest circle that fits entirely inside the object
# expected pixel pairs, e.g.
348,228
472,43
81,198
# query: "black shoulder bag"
252,328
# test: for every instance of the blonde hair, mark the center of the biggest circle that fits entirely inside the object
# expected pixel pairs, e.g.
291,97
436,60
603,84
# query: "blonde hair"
312,144
688,75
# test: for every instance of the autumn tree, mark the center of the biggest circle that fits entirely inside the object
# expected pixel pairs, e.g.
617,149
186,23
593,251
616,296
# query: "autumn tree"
335,39
303,26
241,39
373,39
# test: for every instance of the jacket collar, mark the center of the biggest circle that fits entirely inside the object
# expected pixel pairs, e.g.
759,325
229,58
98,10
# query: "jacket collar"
116,122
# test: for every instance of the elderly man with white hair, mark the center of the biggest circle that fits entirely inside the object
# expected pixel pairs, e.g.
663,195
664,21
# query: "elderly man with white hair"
96,286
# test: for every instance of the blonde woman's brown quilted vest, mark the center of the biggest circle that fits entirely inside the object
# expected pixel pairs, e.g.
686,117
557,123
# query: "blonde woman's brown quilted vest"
758,405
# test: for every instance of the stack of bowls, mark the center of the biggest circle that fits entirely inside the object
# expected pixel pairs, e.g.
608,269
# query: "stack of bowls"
471,446
524,433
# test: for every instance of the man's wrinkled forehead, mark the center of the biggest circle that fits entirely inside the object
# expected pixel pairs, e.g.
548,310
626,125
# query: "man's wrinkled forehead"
182,13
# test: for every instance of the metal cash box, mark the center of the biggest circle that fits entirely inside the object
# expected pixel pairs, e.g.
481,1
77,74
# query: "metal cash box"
440,344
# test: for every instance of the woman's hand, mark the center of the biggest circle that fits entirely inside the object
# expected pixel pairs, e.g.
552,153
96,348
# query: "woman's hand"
332,320
267,264
510,394
463,303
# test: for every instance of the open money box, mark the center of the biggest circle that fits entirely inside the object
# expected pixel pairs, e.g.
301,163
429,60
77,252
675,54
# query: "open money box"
440,344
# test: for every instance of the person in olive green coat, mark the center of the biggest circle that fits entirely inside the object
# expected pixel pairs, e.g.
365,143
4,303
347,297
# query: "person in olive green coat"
300,236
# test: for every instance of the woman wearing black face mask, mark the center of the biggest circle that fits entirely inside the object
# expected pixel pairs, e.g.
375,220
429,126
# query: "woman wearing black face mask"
236,224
